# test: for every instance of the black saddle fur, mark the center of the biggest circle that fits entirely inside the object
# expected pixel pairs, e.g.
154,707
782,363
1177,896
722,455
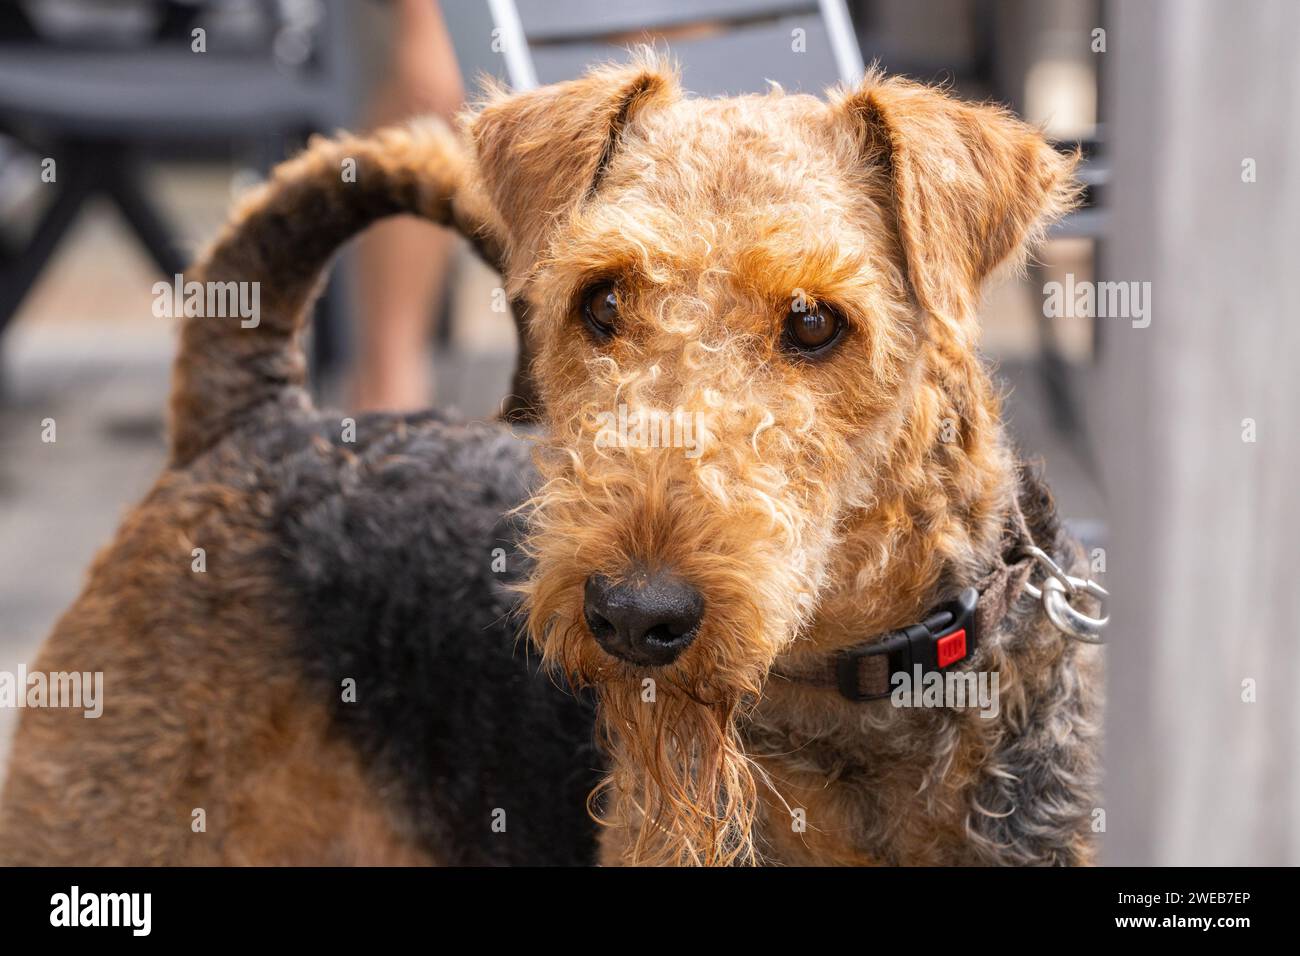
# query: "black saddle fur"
388,546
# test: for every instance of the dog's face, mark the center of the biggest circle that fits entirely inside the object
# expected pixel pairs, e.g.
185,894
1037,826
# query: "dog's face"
732,302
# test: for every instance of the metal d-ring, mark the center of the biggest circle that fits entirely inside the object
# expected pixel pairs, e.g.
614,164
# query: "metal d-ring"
1074,623
1058,587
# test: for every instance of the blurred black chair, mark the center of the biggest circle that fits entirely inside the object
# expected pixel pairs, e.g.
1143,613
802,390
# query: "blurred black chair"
100,110
989,64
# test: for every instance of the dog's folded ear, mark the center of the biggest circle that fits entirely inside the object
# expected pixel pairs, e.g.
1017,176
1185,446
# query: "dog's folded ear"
971,187
540,153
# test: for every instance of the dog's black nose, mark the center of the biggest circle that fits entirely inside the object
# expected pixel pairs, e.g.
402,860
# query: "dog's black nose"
649,618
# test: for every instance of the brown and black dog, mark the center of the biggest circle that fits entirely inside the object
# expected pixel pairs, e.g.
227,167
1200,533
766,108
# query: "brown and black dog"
768,446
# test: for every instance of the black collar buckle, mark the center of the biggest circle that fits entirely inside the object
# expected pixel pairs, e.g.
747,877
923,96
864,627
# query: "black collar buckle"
946,637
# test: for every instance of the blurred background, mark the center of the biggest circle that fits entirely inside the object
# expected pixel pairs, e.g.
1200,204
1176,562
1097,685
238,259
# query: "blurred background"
128,126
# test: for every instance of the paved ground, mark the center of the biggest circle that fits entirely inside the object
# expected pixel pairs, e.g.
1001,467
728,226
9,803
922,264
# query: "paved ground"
87,353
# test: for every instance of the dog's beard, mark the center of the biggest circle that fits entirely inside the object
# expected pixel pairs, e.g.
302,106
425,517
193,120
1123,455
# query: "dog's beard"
680,782
680,789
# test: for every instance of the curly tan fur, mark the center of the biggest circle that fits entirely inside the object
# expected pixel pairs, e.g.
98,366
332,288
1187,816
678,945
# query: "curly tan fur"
823,503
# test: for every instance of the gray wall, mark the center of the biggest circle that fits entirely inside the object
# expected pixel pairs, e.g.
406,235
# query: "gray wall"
1206,526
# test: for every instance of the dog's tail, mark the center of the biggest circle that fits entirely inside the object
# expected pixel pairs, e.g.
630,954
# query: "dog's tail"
271,257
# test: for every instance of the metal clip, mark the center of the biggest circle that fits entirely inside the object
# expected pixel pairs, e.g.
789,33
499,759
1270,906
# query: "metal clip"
1055,594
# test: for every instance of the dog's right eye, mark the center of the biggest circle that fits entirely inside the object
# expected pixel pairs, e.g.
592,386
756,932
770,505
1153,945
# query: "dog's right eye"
810,331
600,309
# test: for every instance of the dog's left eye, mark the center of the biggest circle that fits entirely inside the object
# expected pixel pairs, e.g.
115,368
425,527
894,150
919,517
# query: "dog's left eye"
600,309
813,329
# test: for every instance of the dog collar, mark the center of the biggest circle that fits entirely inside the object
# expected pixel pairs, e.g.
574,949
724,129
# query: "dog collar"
951,633
947,636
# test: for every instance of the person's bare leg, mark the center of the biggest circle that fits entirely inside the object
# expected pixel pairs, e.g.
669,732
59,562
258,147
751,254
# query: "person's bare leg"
403,263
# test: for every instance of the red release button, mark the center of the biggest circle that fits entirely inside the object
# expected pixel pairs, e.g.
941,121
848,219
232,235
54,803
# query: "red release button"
952,647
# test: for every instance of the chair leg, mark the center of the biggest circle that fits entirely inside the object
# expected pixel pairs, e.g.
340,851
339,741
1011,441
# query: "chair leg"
19,273
149,225
1060,382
